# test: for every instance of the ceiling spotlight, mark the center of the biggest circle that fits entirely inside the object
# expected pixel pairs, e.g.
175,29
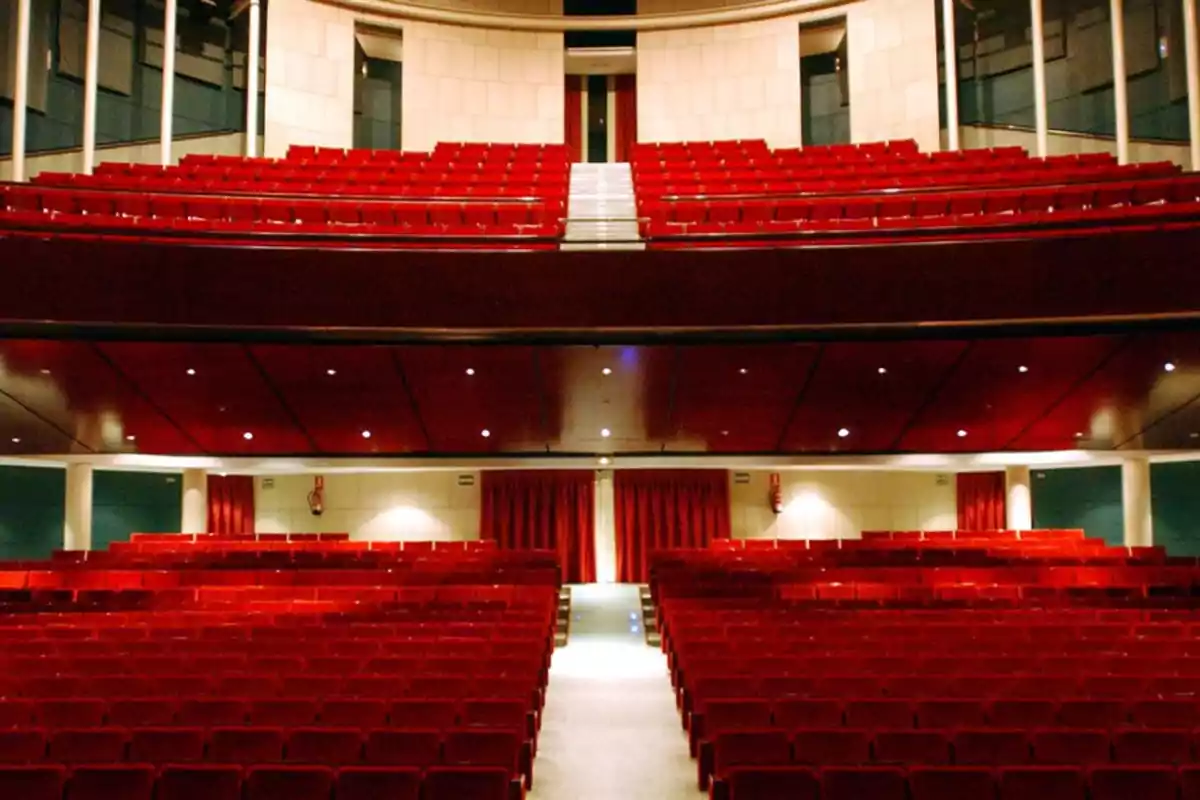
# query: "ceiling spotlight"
883,370
130,438
366,434
470,370
743,371
605,432
1022,368
45,372
331,372
1194,435
485,433
724,433
1169,366
843,433
605,461
1078,434
961,433
606,371
247,436
191,371
16,440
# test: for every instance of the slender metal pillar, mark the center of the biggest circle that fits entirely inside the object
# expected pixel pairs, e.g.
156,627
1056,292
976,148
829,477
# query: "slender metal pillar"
168,81
1192,55
1039,78
950,46
90,86
252,55
1120,85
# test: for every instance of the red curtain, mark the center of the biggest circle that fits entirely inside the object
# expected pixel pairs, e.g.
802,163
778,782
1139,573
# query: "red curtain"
543,509
626,122
660,509
573,118
980,497
230,504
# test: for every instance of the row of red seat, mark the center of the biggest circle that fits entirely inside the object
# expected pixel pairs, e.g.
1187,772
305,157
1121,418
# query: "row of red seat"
261,782
959,783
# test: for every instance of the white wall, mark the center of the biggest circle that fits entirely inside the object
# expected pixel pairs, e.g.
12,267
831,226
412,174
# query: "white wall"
374,506
892,50
721,82
841,504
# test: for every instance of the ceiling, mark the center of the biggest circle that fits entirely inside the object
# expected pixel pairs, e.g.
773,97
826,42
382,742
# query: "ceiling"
1095,392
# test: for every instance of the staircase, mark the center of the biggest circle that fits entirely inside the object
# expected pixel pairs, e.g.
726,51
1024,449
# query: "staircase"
601,209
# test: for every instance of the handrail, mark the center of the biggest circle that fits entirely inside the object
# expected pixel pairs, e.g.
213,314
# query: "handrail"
1105,137
560,23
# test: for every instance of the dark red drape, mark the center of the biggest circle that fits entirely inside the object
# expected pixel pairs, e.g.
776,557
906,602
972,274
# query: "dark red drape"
980,497
660,509
546,510
573,118
626,122
230,504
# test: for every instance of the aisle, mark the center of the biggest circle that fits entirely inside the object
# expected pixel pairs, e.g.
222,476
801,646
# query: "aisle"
610,730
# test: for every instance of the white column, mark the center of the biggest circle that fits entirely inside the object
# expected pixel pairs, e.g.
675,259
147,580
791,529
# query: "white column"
1192,54
583,122
950,47
1018,503
168,82
195,502
20,91
1039,78
90,86
252,79
77,528
1116,10
606,528
1135,502
610,113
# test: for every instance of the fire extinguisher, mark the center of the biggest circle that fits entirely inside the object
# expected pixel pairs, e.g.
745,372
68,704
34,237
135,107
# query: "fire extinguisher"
316,498
776,495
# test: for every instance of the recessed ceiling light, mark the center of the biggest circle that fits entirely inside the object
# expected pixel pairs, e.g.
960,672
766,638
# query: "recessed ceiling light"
743,370
45,372
843,433
605,461
16,440
1169,366
130,438
247,436
606,371
883,370
366,434
1078,434
485,433
1022,368
470,370
605,432
1194,435
331,372
961,433
724,433
191,371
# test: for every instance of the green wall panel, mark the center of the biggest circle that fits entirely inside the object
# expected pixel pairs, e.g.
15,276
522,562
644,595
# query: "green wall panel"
32,510
134,502
1088,498
1175,504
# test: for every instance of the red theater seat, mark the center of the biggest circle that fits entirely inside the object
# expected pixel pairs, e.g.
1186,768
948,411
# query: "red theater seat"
951,783
1023,713
796,714
912,747
424,713
877,714
88,746
407,748
466,783
354,713
42,782
284,713
374,783
289,783
1041,783
991,747
166,745
207,713
1070,747
245,745
331,746
1132,783
856,783
200,782
832,746
773,783
942,714
71,713
22,746
111,782
1152,747
136,713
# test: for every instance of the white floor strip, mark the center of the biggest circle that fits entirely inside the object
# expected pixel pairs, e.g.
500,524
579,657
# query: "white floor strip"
610,730
601,209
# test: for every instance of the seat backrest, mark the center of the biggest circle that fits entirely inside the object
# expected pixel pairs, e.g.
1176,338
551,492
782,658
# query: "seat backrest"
23,746
1152,747
856,783
354,712
762,747
1017,713
41,782
1165,713
951,783
879,714
245,745
1041,783
435,714
284,712
166,745
947,714
142,712
212,712
457,783
200,782
72,713
483,748
408,748
88,746
1070,747
991,747
494,713
912,747
1132,783
111,782
1097,714
797,714
331,746
372,783
794,783
293,782
831,746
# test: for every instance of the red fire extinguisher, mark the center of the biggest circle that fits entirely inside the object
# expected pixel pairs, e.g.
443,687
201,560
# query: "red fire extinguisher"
316,498
776,494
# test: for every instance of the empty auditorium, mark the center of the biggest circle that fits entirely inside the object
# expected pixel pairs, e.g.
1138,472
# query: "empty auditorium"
599,400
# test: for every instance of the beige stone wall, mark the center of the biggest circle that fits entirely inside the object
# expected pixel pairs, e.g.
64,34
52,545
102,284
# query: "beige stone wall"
737,81
1061,144
385,506
475,85
892,50
310,76
223,144
823,504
